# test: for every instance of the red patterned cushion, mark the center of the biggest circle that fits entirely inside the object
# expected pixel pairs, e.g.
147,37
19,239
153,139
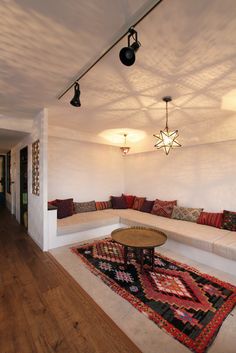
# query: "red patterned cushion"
138,203
103,205
118,202
65,208
229,220
129,200
163,208
211,219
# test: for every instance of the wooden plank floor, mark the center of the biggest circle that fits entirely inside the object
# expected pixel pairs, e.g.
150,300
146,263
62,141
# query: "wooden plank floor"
42,309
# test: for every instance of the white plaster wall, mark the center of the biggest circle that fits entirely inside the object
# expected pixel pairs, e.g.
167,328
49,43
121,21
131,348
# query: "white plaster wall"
199,176
37,205
82,170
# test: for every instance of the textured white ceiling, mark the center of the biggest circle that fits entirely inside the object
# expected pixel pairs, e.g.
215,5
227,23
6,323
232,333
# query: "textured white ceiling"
188,52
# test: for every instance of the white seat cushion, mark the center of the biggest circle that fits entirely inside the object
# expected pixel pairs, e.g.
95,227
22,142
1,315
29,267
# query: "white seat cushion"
197,235
84,221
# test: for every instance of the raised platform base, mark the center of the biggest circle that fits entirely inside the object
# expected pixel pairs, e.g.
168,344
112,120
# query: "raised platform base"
206,258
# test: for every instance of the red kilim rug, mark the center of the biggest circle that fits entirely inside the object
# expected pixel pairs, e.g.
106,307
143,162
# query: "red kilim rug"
189,305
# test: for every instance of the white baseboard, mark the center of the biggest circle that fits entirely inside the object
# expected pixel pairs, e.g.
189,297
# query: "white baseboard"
206,258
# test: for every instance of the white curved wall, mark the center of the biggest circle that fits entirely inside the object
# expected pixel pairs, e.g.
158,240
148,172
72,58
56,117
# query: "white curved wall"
199,176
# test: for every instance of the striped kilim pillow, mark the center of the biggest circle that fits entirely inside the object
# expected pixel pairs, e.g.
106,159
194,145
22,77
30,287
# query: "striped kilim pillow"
138,203
211,219
103,205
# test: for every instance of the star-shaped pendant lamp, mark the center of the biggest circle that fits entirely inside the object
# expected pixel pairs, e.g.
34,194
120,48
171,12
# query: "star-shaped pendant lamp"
167,139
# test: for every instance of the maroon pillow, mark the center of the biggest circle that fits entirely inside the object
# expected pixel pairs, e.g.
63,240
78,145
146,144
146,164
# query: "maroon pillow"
118,202
52,203
147,206
129,200
65,208
211,219
163,208
138,203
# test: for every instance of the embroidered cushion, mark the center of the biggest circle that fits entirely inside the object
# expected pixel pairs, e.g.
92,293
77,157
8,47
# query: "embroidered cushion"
118,202
138,203
147,206
163,208
229,220
81,207
211,219
186,213
64,208
129,200
103,205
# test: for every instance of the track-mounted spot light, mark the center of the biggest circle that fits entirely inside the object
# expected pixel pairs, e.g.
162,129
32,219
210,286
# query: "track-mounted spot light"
127,54
75,101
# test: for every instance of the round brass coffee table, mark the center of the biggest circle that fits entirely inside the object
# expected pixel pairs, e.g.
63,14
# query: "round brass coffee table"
140,238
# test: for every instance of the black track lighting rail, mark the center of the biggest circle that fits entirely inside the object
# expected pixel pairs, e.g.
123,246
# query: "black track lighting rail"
109,49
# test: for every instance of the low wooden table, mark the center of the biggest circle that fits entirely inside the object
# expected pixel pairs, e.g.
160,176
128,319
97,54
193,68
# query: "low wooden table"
140,238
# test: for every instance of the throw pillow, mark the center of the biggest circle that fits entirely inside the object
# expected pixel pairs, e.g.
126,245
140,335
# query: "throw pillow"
211,219
64,208
138,203
147,206
129,200
186,213
163,208
81,207
103,205
52,203
118,202
229,220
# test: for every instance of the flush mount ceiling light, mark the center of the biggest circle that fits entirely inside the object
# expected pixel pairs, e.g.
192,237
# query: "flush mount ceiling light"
167,139
125,149
75,101
127,54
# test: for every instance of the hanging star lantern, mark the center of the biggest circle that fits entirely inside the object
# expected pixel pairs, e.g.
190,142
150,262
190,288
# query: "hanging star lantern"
167,139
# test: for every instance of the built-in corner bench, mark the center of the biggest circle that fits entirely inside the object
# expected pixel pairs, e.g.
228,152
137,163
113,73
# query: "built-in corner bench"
213,246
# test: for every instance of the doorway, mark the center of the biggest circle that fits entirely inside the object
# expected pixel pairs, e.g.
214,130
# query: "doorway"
2,181
24,186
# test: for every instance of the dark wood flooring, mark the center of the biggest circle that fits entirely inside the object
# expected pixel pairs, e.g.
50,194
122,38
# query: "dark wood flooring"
42,309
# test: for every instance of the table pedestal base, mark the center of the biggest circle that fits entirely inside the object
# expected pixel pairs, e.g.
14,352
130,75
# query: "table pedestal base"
141,254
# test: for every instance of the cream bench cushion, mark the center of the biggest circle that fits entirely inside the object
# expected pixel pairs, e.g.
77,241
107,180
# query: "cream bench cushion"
214,240
83,221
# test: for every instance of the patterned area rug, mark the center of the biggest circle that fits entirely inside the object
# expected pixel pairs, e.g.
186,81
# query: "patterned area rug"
189,305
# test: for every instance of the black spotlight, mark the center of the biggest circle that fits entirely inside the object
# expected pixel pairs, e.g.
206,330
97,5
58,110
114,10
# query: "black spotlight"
127,54
75,101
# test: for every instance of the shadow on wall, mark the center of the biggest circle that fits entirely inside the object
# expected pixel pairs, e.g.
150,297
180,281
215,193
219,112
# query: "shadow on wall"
199,176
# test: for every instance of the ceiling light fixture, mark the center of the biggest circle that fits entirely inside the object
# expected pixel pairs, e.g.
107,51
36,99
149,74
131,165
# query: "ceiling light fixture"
127,54
167,139
134,46
125,149
75,101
